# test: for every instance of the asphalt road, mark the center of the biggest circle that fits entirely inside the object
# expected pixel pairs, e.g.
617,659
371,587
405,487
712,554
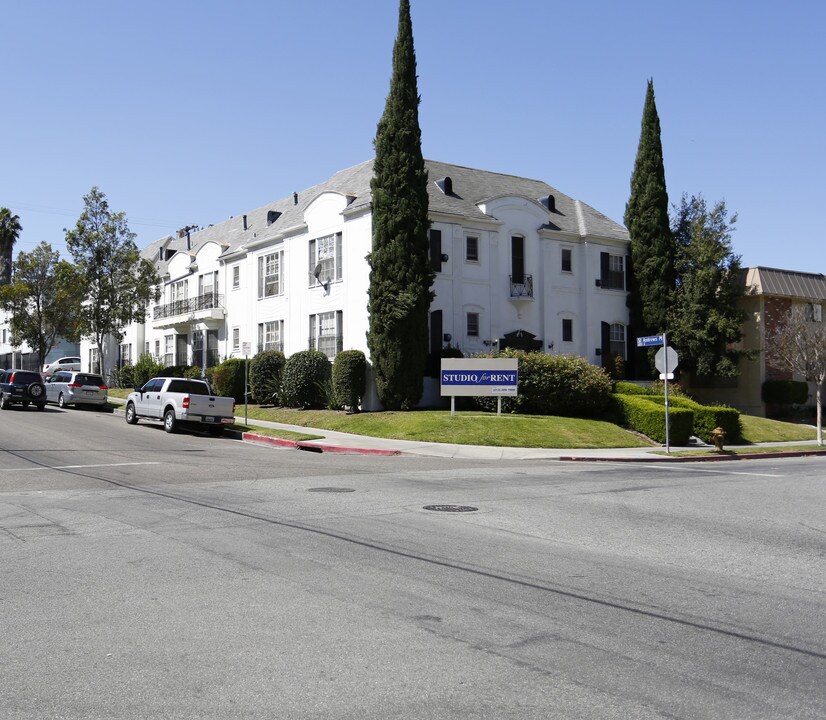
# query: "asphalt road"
147,575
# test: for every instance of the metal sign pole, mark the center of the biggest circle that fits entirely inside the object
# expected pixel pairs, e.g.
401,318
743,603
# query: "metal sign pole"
246,385
452,405
665,367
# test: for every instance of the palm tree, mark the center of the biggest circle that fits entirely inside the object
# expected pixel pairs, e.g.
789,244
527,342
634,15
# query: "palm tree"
9,232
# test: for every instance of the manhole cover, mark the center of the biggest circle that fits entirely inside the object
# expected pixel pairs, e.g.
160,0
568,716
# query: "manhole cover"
332,490
451,508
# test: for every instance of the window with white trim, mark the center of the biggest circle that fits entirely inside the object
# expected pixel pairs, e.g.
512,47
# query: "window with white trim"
271,335
208,283
567,264
178,291
236,277
567,330
472,249
236,339
473,324
157,350
326,333
325,259
617,339
271,275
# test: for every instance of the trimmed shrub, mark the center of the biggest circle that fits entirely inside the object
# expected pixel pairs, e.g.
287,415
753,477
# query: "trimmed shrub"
629,388
145,369
306,380
266,374
124,377
708,417
228,379
554,385
349,379
647,416
785,392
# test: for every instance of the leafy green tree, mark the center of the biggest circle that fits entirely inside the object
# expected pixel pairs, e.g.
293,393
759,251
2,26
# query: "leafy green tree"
651,276
399,295
9,232
43,300
705,318
119,283
797,344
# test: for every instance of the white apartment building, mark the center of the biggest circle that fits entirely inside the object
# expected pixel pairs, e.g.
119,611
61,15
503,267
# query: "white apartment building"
517,262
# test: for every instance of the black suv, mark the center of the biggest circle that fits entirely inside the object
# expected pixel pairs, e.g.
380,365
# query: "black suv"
21,386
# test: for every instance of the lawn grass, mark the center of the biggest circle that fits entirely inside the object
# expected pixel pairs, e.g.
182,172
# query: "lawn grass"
757,450
477,428
758,429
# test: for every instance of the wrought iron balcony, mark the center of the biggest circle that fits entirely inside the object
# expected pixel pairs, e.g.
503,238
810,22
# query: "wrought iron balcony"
521,286
202,306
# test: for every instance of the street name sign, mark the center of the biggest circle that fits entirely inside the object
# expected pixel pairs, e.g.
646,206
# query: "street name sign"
649,340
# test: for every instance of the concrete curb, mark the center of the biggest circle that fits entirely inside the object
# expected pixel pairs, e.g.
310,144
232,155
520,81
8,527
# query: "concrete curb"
311,446
698,458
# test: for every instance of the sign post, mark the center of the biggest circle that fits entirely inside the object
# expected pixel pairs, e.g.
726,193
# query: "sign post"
666,361
245,348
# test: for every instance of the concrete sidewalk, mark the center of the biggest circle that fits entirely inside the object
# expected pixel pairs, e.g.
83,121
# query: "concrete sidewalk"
340,442
332,441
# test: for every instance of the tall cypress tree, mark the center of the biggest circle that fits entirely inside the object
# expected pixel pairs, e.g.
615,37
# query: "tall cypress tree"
399,295
652,276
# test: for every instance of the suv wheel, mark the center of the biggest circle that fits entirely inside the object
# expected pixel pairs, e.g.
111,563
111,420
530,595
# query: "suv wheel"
41,406
4,402
36,391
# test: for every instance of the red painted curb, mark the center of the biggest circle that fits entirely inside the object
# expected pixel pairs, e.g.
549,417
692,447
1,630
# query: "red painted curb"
306,445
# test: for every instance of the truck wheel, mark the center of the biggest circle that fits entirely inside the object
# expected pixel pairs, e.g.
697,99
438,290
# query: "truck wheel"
169,423
131,415
216,430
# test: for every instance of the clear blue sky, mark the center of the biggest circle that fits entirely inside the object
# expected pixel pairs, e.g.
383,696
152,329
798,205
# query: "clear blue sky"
188,112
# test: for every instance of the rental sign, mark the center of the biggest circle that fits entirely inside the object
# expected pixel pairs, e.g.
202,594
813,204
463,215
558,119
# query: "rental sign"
479,376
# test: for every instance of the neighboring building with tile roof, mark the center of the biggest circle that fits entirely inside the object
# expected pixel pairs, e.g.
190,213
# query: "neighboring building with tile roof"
770,294
518,263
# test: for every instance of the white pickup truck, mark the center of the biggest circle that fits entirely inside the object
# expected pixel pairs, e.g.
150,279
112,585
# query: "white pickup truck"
177,401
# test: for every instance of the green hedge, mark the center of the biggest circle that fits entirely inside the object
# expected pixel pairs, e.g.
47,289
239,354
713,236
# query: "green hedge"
145,369
307,380
645,415
708,417
349,379
228,379
785,392
266,375
629,388
554,385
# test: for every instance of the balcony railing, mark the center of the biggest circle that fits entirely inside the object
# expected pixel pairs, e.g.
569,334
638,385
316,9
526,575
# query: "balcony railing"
207,301
521,287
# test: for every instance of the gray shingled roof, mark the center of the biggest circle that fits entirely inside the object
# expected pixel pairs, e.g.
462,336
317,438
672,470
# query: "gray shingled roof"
785,283
470,188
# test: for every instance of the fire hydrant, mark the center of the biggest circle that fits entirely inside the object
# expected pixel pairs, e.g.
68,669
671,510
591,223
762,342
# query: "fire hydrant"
718,435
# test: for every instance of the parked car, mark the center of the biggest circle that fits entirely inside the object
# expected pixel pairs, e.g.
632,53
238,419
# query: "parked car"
76,388
24,387
71,362
179,401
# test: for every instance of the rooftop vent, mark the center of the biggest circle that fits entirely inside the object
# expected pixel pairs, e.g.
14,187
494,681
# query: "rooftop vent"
445,185
549,202
245,222
295,198
350,198
272,216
